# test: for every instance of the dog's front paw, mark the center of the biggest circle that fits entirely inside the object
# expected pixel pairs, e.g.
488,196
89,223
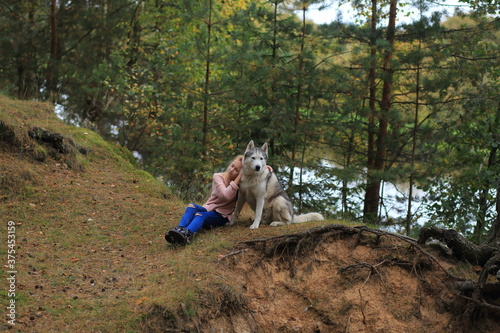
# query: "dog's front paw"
254,226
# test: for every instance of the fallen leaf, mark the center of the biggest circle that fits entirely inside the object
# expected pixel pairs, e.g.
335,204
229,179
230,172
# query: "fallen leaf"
140,301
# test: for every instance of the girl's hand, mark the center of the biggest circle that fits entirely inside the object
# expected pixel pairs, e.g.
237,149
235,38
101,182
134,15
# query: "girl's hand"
270,168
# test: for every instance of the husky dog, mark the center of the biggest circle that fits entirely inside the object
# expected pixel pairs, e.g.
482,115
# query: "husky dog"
261,189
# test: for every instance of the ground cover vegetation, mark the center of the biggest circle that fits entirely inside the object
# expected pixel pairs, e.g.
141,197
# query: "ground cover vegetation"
90,255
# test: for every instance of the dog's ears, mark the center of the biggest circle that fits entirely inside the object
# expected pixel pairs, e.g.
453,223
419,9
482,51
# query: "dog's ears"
250,145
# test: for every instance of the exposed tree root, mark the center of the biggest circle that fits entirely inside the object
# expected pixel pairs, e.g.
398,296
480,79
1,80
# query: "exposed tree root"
478,295
272,244
462,248
373,269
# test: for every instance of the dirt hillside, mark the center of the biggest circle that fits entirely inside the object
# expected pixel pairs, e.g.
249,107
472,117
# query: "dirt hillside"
89,255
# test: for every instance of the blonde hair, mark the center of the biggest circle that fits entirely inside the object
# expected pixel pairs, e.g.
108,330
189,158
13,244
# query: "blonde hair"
226,174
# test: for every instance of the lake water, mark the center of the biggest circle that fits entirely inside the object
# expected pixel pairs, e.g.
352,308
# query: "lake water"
394,196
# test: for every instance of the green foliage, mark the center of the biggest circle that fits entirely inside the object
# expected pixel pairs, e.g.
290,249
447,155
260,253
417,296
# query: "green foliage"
186,84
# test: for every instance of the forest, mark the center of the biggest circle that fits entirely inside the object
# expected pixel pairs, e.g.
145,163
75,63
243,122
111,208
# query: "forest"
376,99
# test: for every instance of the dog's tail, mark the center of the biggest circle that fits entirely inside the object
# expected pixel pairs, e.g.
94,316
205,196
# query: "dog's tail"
308,217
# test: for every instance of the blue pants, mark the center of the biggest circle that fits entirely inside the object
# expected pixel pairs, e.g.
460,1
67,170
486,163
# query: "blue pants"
195,217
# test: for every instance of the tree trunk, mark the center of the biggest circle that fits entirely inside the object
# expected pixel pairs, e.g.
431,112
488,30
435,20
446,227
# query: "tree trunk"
487,182
49,75
385,104
494,234
414,146
371,194
206,89
345,183
372,197
298,97
483,199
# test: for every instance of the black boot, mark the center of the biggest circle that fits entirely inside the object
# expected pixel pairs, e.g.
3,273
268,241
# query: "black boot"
179,235
169,237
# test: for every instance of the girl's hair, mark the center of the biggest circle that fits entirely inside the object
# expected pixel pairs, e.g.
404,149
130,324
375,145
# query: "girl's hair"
226,174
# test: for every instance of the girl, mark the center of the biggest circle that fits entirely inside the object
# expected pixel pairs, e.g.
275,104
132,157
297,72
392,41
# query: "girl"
216,211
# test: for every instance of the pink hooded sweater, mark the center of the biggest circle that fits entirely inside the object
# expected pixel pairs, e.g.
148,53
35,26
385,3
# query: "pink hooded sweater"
223,197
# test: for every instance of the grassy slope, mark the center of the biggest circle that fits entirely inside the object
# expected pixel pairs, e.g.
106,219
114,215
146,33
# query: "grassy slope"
91,256
89,232
84,238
